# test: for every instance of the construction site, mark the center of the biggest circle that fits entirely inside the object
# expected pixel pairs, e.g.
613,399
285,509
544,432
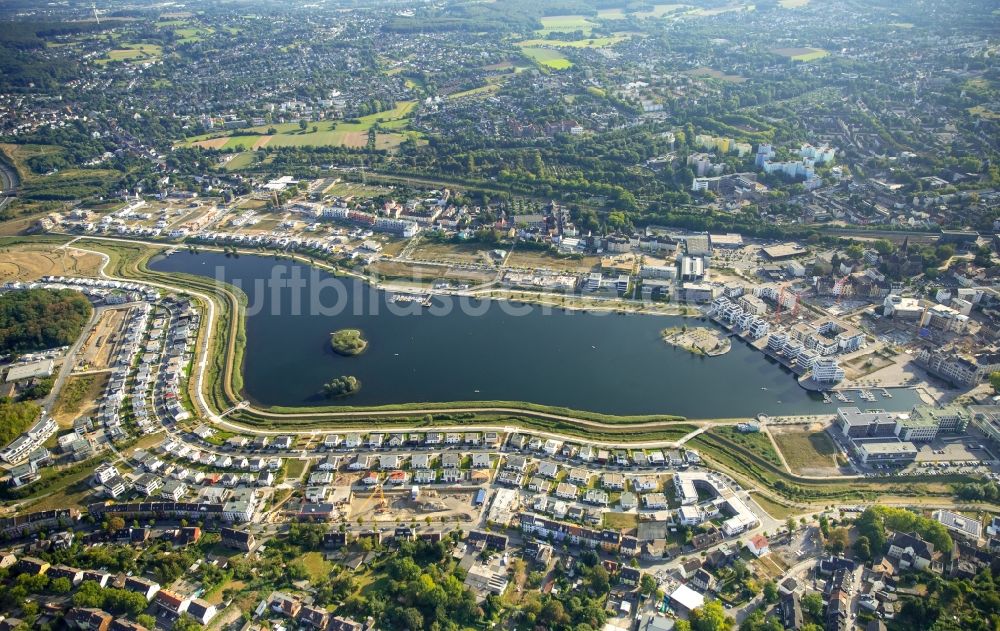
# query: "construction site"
413,504
101,340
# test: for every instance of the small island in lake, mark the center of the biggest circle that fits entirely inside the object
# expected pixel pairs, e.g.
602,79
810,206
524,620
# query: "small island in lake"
348,342
342,386
698,340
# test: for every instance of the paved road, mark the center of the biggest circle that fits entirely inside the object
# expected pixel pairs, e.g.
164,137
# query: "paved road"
8,179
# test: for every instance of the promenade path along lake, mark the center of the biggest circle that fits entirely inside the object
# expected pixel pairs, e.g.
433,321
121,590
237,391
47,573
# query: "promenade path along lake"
602,362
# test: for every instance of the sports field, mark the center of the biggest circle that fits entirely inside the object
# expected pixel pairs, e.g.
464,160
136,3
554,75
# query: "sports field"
547,57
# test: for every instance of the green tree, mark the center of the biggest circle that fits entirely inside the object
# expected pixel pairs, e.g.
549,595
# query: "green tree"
995,381
647,584
863,548
771,592
812,605
710,617
60,585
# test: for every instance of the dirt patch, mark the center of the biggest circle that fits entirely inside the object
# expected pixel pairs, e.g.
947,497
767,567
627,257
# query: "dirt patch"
26,263
260,142
450,505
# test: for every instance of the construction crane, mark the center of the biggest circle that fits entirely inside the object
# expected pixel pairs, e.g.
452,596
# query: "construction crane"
378,494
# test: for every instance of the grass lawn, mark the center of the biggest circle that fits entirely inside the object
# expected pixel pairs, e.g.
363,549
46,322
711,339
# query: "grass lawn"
801,54
565,24
241,161
755,442
712,73
294,468
354,189
547,57
483,90
316,565
778,511
133,52
188,35
621,521
336,133
806,450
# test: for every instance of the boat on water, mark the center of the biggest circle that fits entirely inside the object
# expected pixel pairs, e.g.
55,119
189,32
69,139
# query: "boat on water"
886,393
826,398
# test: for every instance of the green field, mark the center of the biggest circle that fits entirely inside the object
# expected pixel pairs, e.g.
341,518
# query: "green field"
565,24
241,161
483,90
354,189
597,42
133,52
337,133
547,57
801,54
189,35
659,10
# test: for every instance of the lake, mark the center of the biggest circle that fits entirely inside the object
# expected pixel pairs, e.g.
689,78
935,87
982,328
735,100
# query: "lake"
470,350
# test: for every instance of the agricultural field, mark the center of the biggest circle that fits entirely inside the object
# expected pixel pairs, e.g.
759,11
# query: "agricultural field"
565,24
548,58
801,53
133,53
808,452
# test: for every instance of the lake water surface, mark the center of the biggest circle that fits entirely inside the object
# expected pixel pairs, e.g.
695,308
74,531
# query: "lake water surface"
609,363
